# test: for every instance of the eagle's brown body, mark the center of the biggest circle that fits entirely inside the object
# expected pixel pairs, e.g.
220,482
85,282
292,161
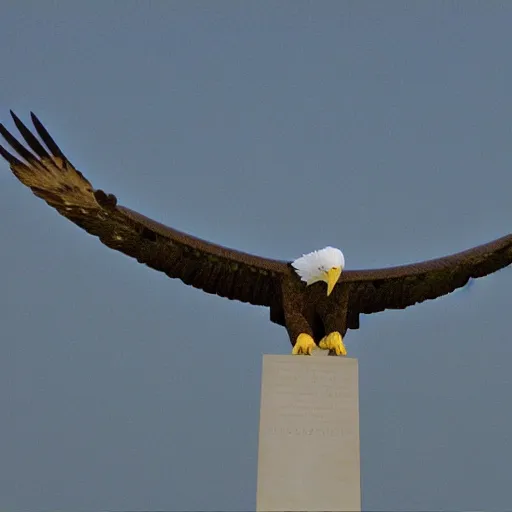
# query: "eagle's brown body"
233,274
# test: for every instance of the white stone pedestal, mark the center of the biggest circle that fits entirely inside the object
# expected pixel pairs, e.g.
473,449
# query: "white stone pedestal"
308,456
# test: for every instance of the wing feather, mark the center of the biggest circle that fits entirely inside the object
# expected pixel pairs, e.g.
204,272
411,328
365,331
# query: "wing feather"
372,291
201,264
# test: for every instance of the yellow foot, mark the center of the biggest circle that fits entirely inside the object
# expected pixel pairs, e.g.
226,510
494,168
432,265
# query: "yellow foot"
304,345
334,342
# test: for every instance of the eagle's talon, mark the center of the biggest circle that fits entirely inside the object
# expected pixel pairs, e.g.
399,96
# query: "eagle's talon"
333,341
304,345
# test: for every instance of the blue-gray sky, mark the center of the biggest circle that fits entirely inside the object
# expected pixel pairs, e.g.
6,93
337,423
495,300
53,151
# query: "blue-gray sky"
382,128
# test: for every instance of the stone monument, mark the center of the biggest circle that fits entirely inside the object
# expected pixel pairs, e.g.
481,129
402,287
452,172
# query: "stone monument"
308,454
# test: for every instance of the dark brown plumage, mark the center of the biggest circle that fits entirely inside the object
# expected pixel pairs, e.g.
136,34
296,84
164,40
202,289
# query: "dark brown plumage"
230,273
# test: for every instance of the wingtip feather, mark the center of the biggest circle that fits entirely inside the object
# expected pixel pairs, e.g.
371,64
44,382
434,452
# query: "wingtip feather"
46,137
11,159
29,137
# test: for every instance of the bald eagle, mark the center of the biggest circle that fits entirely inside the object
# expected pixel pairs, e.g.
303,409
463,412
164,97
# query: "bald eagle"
313,297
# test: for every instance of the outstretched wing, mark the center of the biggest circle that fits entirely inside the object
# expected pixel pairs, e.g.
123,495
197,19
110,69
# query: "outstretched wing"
399,287
210,267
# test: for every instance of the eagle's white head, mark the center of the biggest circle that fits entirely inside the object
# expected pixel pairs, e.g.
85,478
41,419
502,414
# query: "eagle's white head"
323,265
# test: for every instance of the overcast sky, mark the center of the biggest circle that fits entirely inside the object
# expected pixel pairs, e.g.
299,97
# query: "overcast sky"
381,128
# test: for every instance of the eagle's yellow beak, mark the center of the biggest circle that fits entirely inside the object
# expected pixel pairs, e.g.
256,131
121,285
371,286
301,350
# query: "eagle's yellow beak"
331,278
